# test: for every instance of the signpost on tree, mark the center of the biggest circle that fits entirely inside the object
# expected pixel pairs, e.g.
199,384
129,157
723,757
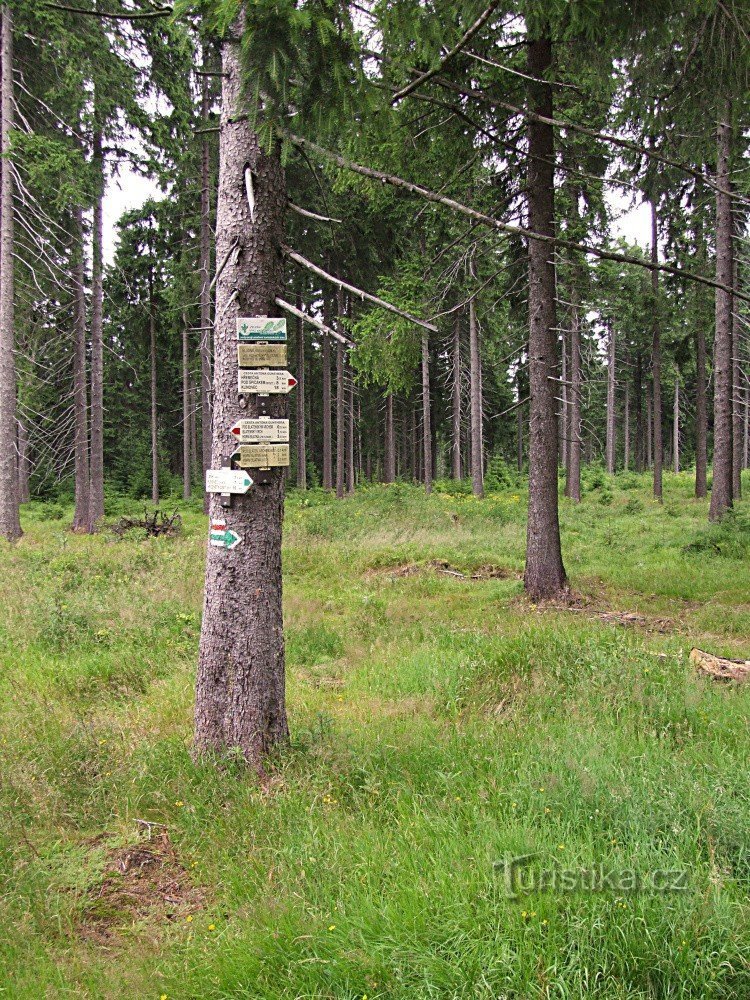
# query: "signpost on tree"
240,698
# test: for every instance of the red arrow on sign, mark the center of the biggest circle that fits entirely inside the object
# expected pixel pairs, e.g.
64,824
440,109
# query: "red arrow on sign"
292,381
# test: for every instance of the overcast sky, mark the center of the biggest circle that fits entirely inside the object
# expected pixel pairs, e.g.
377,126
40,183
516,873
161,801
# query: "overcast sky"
130,190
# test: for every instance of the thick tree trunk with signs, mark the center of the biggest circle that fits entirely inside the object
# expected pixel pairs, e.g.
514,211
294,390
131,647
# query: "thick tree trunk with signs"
80,390
10,523
544,575
96,454
721,491
240,699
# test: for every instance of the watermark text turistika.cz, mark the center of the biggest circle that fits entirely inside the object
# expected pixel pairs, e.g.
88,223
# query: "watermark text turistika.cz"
527,873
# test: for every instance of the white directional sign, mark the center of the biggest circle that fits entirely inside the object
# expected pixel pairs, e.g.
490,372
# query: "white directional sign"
261,328
227,481
222,537
265,380
261,355
262,456
265,429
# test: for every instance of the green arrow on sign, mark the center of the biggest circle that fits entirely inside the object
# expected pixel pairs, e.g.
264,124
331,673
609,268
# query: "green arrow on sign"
222,537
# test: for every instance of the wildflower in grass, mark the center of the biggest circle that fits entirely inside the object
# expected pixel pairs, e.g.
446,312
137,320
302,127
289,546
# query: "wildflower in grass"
541,788
212,927
189,919
561,847
547,810
332,927
179,803
544,923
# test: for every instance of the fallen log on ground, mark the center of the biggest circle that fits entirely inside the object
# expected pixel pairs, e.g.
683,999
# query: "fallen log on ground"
719,668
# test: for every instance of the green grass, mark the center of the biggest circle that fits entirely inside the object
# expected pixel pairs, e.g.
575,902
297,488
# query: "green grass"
440,725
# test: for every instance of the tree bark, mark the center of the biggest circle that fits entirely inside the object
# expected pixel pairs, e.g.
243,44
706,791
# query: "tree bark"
640,457
80,390
573,479
154,411
10,522
456,411
350,428
300,400
475,392
426,415
96,454
656,360
676,429
611,424
649,435
186,422
389,463
519,424
564,418
205,288
240,698
626,428
340,421
736,390
327,443
721,491
545,574
701,416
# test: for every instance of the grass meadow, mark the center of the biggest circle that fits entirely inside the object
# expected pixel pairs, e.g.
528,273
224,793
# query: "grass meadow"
441,725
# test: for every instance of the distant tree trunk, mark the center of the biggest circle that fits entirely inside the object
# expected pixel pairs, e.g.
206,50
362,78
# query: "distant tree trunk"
626,428
389,462
327,443
456,413
701,417
186,422
426,416
736,390
721,491
746,436
205,290
240,700
194,463
300,400
10,522
349,387
154,412
638,392
96,454
573,480
340,421
475,392
564,452
656,360
649,435
23,463
545,573
80,390
676,429
611,425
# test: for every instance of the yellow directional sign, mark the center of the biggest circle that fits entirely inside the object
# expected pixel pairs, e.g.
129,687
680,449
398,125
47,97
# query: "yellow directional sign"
261,355
262,456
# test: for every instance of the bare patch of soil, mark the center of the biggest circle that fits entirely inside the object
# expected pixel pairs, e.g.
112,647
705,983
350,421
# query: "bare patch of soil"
143,881
485,572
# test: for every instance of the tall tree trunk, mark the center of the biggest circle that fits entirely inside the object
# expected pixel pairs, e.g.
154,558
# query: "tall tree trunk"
626,428
96,453
240,699
564,418
573,480
475,392
154,411
640,457
186,422
205,289
746,434
656,359
649,435
80,390
545,573
349,388
611,425
340,420
676,429
701,416
23,463
426,416
10,522
721,491
456,400
736,389
300,399
389,459
519,423
327,443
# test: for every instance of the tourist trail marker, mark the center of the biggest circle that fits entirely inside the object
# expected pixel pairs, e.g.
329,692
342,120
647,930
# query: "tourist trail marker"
265,381
227,481
222,537
261,429
260,328
262,456
261,355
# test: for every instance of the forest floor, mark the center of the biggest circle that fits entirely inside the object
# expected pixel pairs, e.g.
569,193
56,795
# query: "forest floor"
442,726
